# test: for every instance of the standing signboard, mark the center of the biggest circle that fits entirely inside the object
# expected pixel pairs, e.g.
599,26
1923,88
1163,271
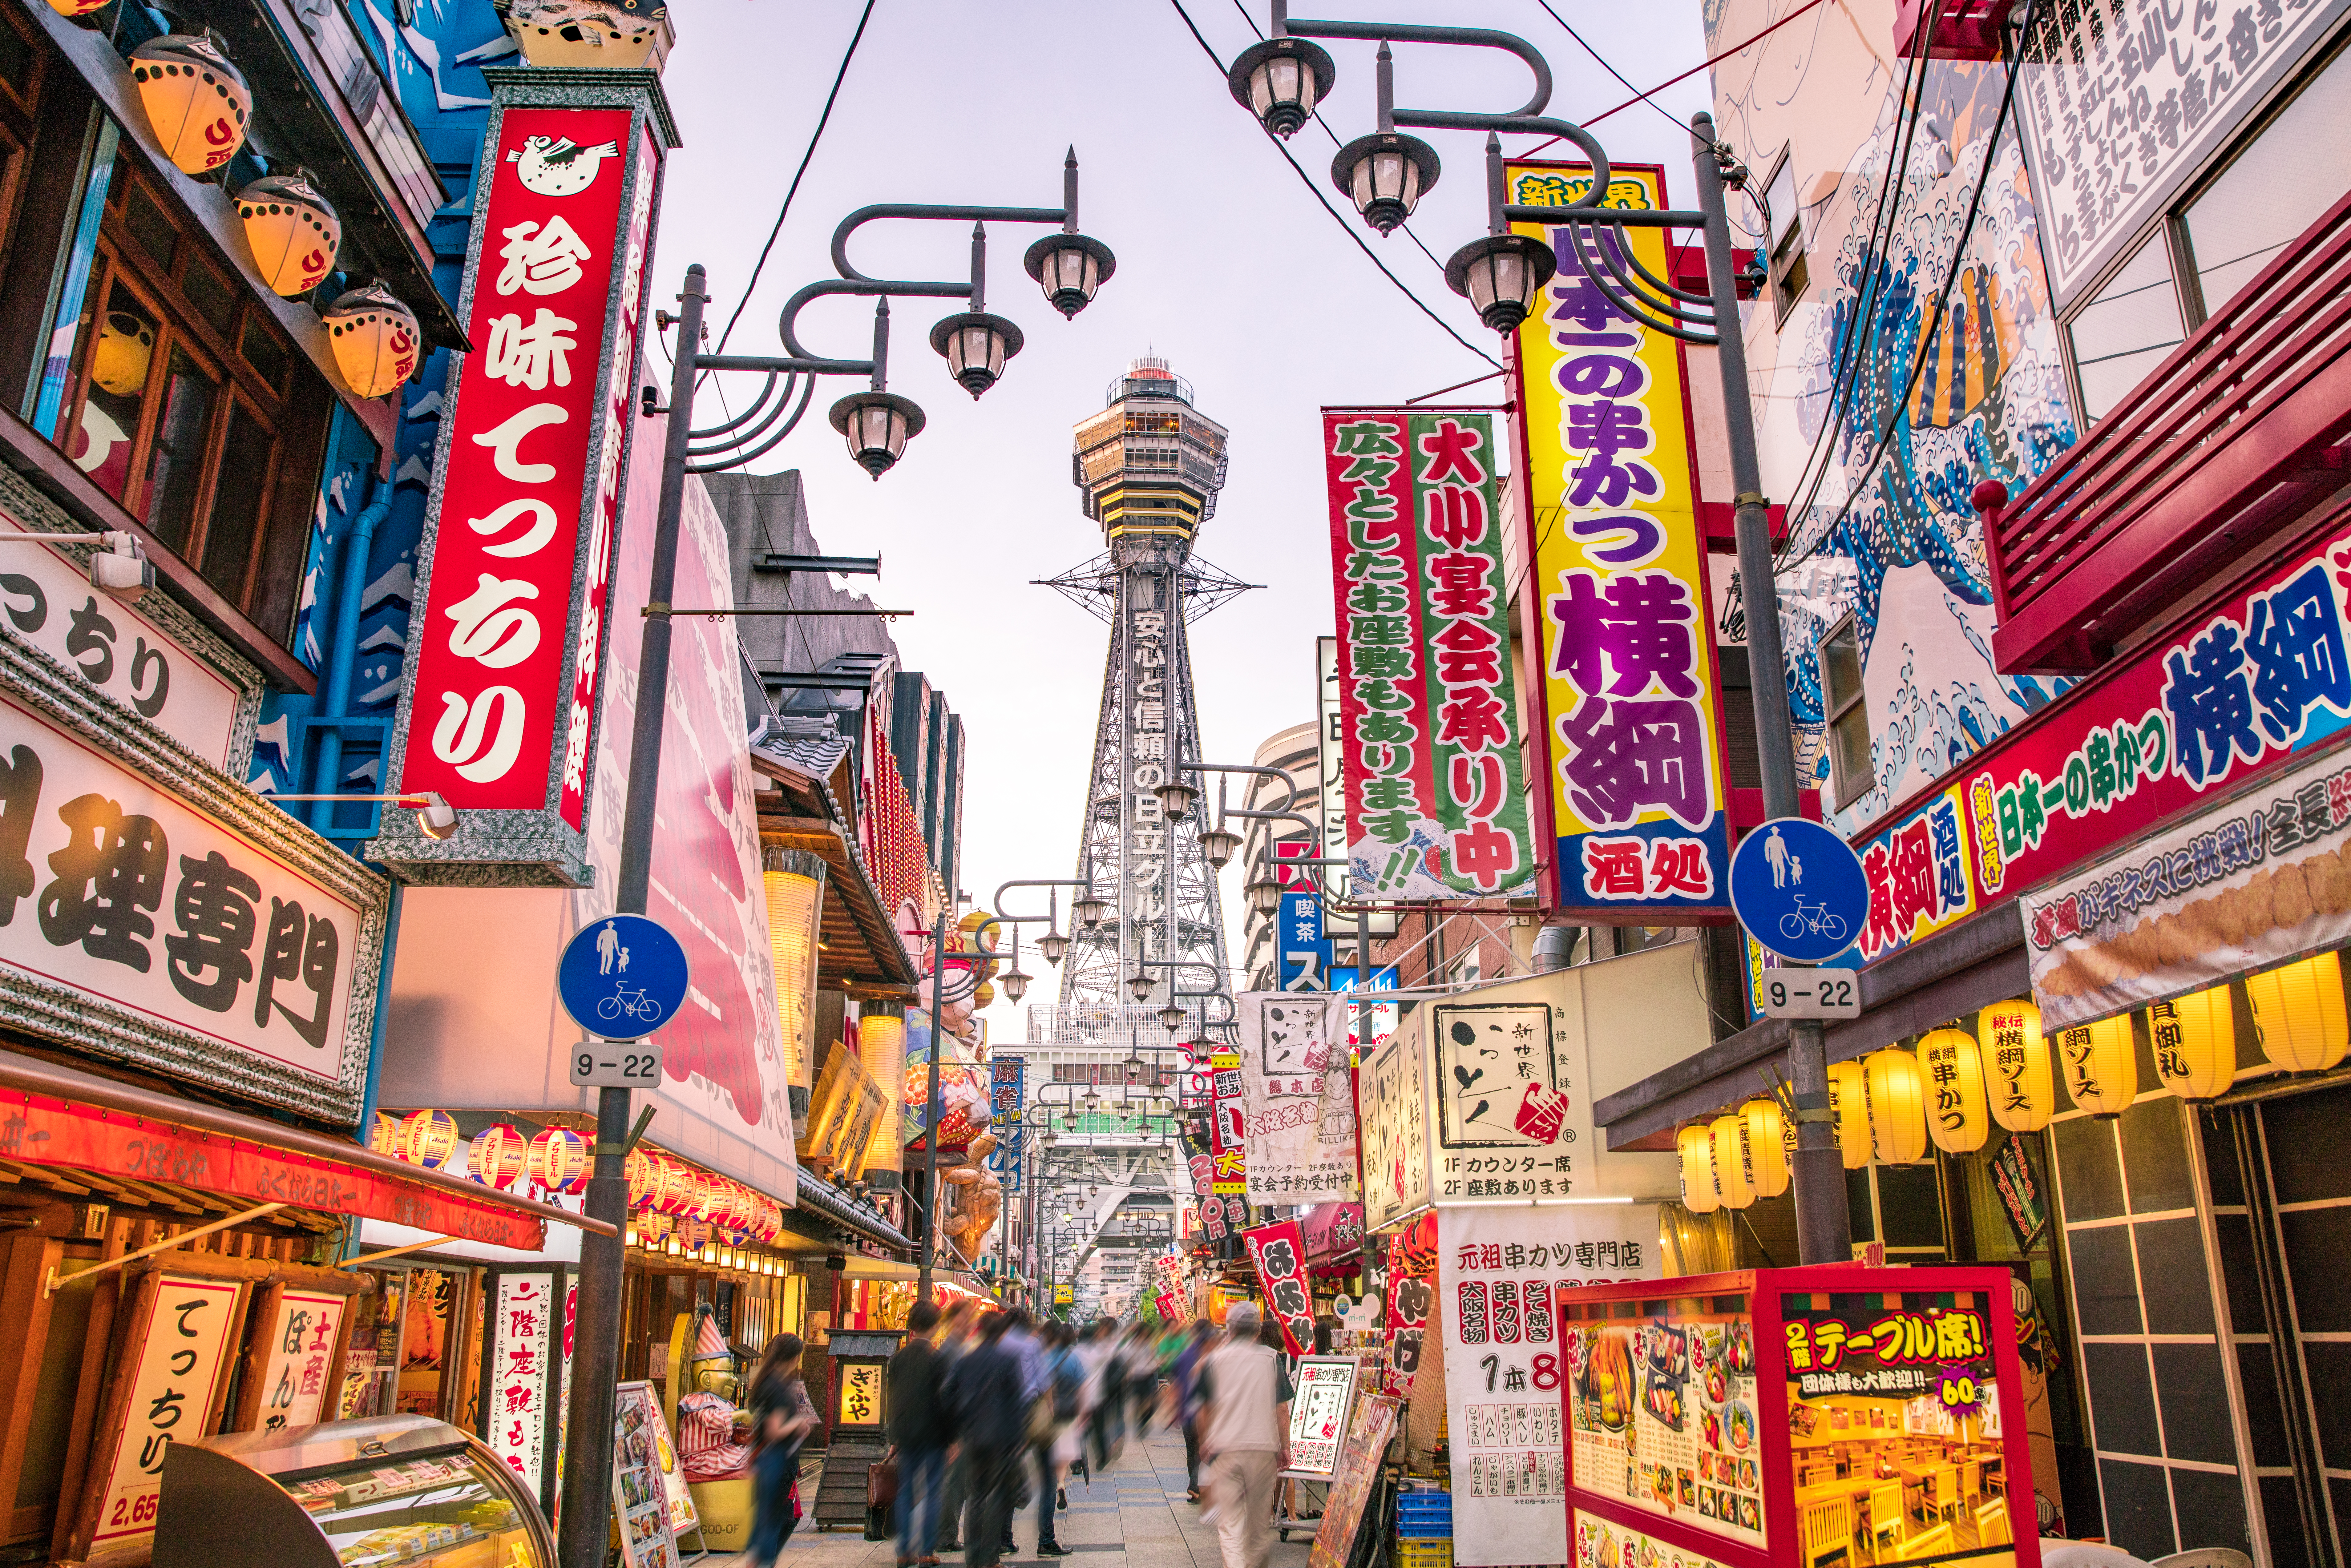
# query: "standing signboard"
296,1345
1502,1274
1361,1460
174,1342
644,1460
498,698
1427,697
1325,1395
1631,698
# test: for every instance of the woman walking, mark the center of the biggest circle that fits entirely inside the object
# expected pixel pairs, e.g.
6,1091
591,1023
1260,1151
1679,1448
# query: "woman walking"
783,1418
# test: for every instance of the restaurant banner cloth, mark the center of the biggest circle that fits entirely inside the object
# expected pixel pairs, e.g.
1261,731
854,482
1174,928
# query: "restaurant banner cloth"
1280,1254
1298,1114
2262,880
1499,1272
1427,698
1411,1286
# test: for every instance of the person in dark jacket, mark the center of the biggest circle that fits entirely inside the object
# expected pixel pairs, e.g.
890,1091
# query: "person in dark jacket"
992,1424
783,1418
920,1429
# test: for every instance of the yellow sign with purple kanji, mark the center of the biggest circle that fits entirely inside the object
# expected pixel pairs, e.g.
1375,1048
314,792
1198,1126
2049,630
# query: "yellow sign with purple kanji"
1632,701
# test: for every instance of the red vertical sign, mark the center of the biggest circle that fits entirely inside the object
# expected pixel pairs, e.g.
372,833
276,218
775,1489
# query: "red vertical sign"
491,703
1280,1253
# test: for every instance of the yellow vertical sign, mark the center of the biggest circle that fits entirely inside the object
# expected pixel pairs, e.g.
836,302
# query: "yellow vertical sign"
1631,698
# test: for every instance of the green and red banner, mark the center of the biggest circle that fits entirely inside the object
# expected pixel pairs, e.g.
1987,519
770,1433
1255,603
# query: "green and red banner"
1428,702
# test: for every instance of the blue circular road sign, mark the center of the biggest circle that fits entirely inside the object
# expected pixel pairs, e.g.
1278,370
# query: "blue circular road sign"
622,977
1799,890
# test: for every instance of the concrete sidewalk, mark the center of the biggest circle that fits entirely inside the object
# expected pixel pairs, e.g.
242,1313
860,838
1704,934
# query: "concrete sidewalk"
1133,1513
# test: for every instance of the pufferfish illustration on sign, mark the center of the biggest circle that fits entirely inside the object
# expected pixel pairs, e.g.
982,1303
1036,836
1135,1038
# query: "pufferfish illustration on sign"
558,166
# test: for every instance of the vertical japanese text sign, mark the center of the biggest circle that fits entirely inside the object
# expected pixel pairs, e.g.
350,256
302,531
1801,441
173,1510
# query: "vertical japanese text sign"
498,700
1278,1251
1631,699
522,1376
1429,707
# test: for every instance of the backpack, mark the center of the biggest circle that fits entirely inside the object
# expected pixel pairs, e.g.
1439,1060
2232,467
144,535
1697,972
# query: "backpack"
1069,1381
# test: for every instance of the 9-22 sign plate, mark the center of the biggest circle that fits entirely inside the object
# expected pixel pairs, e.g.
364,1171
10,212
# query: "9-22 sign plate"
617,1064
1811,993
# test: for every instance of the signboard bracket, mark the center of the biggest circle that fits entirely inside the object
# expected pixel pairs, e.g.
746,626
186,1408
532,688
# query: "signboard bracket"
52,1283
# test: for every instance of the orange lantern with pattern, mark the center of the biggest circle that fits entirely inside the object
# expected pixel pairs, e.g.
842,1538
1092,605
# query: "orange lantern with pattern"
197,102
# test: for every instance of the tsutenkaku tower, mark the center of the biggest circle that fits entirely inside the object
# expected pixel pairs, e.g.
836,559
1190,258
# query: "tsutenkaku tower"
1149,465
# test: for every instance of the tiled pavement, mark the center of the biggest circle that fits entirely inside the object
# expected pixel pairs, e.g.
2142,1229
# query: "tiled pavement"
1133,1515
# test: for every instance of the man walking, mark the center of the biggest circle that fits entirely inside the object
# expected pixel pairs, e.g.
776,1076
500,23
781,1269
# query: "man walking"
992,1424
956,1338
920,1430
1244,1436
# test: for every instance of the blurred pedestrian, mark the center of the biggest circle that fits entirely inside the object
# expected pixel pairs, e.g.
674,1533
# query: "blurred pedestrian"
783,1418
956,1338
992,1424
1184,1378
920,1430
1244,1436
1056,1439
1142,1362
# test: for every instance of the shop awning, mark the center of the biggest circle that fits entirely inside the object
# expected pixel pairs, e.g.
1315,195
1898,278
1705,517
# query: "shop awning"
53,1116
816,1196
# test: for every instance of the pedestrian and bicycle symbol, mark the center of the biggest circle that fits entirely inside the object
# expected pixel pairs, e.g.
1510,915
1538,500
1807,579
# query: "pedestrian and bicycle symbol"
1798,889
621,977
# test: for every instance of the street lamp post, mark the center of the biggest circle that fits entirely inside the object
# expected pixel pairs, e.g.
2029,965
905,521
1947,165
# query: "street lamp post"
1279,81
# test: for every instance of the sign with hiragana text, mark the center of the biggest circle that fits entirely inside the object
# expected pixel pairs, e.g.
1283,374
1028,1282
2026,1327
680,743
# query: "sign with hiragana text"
179,1340
523,1376
301,1330
1278,1251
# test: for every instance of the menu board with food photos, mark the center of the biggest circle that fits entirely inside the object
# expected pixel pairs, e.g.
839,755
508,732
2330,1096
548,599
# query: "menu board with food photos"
640,1496
1662,1410
1602,1544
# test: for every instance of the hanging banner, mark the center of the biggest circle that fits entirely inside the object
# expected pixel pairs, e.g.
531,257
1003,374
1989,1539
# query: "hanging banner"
498,707
1280,1254
1428,702
1631,698
1412,1288
1395,1131
1298,1114
1228,1124
522,1378
1499,1275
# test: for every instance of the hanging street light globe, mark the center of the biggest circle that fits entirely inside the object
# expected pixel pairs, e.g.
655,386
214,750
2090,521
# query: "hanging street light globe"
975,345
1281,80
1173,1017
1175,799
1500,276
1139,987
1384,174
1264,894
1069,268
1053,945
877,424
1015,984
1219,845
1088,908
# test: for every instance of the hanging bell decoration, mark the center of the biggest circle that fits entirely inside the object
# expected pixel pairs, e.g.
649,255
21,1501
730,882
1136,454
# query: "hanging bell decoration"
2195,1041
2298,1014
294,230
2015,1057
2101,1063
1956,1115
197,102
375,339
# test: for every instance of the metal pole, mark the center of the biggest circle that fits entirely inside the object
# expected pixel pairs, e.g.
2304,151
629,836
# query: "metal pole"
1824,1222
595,1364
950,794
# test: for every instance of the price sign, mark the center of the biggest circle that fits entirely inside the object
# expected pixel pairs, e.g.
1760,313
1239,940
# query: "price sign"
1811,993
617,1064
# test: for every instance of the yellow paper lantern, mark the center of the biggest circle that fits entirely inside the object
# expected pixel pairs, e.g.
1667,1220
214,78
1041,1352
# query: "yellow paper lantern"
1734,1172
558,1160
1767,1145
1699,1195
383,1137
794,880
2298,1014
294,230
2101,1061
428,1138
196,101
1956,1118
126,347
1895,1091
496,1156
1849,1113
881,1046
2015,1059
375,339
2195,1041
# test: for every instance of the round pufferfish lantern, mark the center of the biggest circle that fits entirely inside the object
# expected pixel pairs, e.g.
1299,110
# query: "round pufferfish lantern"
79,7
375,339
196,101
126,348
294,230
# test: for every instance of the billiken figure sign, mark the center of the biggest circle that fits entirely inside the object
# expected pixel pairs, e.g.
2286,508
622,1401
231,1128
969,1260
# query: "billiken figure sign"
498,706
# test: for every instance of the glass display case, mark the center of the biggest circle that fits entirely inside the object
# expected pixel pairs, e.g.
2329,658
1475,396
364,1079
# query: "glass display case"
389,1489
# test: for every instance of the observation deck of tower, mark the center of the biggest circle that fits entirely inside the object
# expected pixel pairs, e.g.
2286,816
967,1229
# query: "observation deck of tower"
1149,467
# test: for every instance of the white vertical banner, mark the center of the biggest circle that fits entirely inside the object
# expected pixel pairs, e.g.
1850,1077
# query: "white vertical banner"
1297,1110
1500,1271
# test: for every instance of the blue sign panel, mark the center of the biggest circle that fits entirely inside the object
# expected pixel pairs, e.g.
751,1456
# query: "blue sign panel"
1799,890
622,977
1305,953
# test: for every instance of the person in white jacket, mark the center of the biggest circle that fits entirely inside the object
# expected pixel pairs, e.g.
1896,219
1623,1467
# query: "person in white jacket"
1244,1436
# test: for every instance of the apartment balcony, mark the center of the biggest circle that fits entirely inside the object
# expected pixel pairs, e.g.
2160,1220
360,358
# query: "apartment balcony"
2237,437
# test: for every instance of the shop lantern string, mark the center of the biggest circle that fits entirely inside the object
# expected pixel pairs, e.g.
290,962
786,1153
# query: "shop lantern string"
294,230
197,102
1895,1098
1734,1172
2298,1014
1767,1145
2021,1093
1699,1195
1958,1118
558,1160
497,1155
375,340
2195,1041
428,1138
1849,1113
2101,1063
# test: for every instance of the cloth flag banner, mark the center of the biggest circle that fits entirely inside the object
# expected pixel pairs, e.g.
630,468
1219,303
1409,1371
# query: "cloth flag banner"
1499,1274
1411,1288
1280,1253
1427,699
1298,1107
1631,696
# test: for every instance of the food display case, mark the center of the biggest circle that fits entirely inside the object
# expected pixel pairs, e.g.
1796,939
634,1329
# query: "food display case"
373,1493
1797,1417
